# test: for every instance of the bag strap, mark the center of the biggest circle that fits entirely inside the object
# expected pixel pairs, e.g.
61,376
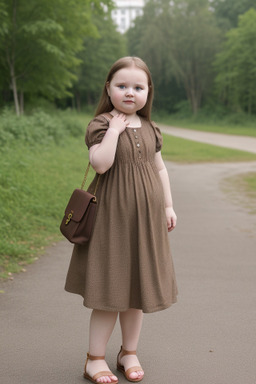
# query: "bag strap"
108,117
85,177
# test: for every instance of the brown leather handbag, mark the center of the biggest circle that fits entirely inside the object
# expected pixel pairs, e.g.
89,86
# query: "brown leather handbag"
77,223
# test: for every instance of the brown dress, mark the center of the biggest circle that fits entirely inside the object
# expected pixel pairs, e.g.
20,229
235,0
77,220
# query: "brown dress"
127,262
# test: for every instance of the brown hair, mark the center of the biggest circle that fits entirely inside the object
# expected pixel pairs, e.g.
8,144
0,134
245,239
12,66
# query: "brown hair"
105,104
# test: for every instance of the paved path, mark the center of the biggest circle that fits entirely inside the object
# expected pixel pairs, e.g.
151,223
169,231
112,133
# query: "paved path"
244,143
208,337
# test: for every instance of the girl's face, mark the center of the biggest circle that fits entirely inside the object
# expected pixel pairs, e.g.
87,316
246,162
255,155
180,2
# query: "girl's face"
128,90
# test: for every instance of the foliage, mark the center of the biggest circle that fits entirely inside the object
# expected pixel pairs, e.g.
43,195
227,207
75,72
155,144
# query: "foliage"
189,40
150,41
98,54
194,42
236,65
39,128
61,51
228,11
39,42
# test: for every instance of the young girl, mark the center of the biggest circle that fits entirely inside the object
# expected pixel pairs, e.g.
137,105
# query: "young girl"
126,268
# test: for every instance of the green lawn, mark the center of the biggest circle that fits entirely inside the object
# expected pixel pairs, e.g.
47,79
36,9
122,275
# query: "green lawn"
246,129
188,151
35,185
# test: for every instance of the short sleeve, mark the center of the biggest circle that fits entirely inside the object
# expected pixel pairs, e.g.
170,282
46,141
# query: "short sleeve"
159,137
96,130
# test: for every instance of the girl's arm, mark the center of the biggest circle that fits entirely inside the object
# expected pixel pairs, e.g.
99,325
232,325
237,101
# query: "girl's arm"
170,214
102,155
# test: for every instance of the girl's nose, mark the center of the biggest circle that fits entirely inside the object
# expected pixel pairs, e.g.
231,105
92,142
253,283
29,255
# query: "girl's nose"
129,91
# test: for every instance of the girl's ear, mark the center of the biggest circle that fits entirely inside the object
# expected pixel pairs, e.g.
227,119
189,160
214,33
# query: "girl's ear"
107,87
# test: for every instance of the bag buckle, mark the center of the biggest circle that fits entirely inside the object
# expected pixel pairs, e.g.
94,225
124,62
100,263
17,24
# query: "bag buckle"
70,215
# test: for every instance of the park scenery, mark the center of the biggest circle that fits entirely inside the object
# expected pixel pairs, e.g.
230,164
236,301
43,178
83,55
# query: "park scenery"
54,57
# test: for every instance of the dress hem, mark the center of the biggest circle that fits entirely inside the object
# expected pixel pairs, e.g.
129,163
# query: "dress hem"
157,308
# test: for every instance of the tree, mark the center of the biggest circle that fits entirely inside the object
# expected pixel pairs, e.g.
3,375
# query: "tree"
193,37
149,41
39,41
236,65
180,45
98,54
228,11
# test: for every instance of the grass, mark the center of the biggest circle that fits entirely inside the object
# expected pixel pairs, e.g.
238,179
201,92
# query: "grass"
241,189
188,151
250,180
240,129
36,182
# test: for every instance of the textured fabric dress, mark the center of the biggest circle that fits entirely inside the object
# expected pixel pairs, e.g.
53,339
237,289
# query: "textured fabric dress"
127,263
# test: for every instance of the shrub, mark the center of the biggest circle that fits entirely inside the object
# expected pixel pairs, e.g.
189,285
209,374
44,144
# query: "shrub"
39,127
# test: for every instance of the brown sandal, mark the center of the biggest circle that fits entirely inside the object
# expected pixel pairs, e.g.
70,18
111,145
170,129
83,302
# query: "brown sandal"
126,373
99,374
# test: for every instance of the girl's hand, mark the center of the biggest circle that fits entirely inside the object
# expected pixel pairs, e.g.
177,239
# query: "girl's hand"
118,123
171,218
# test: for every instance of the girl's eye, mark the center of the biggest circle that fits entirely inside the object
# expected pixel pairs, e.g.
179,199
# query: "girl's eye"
121,86
138,88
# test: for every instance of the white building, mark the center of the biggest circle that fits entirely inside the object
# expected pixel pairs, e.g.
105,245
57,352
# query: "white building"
125,12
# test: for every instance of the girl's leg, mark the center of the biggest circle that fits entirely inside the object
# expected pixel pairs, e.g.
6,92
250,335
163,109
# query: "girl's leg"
101,327
131,322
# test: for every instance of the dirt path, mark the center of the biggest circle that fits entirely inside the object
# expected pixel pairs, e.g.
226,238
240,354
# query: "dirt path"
208,337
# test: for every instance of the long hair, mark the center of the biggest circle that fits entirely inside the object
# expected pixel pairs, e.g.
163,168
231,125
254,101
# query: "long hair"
105,104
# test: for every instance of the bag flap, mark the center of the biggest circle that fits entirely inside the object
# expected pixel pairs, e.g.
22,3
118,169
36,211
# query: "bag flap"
78,204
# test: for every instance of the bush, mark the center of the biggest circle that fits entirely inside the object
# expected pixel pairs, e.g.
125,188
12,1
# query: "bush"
73,127
39,127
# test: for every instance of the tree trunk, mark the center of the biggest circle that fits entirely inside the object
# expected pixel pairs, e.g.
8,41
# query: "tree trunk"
12,62
73,102
194,101
250,102
191,96
14,90
21,102
78,101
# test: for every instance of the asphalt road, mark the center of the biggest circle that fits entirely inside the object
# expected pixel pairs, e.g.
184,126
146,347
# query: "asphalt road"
208,337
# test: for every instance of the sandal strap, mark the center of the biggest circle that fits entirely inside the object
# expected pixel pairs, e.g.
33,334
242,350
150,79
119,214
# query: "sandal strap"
133,369
91,357
102,373
125,352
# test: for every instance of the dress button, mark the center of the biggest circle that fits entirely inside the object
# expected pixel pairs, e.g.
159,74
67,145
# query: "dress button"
134,130
136,137
138,145
139,157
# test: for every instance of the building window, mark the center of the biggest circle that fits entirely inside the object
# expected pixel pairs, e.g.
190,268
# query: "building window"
126,12
123,23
